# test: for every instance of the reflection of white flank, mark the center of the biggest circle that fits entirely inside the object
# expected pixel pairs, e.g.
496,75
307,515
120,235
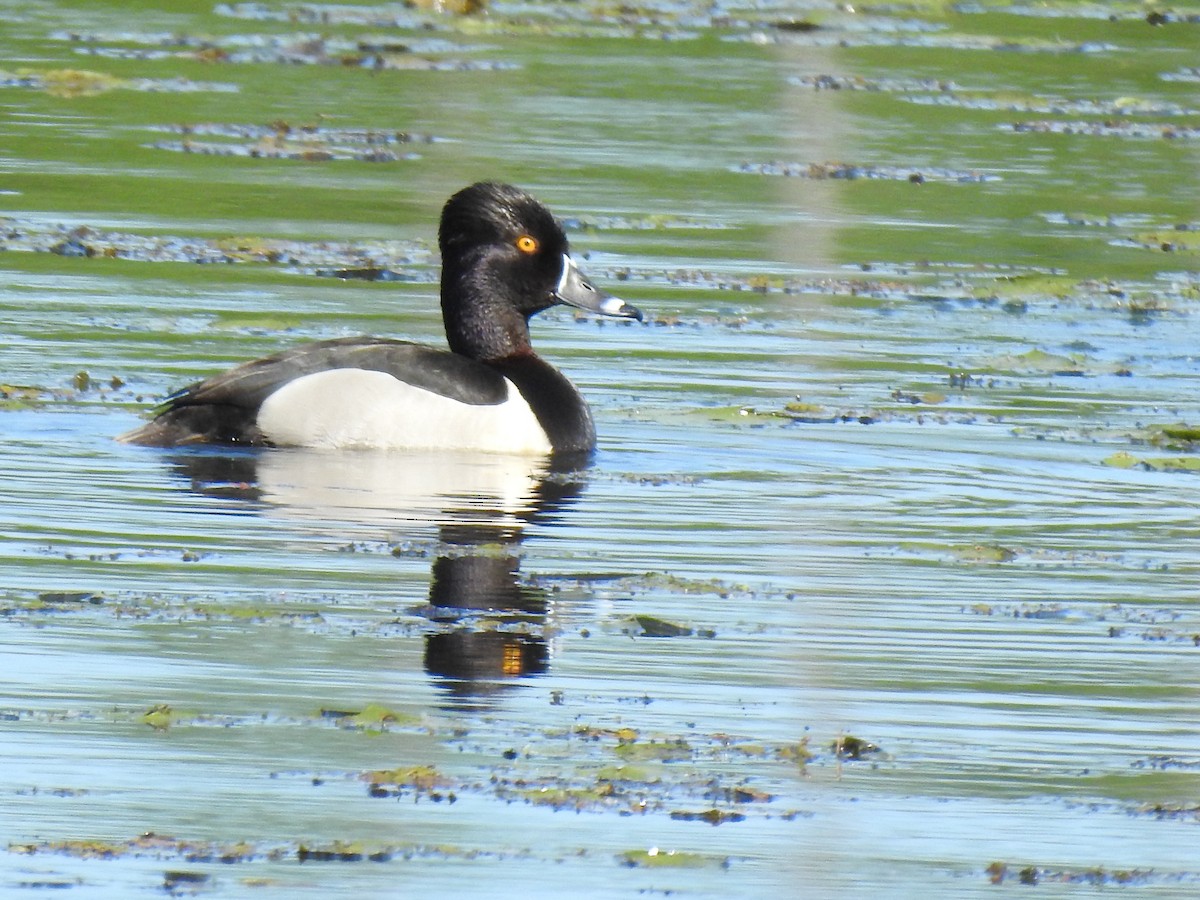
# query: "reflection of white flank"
358,408
376,488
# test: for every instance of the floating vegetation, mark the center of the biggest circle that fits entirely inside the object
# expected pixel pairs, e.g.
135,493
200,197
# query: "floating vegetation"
376,54
372,717
414,262
1069,9
858,22
649,779
1143,232
23,396
361,851
1183,237
71,83
999,872
1178,436
160,717
1177,812
760,284
177,883
820,82
666,751
385,15
850,172
13,396
999,101
686,20
86,241
155,846
641,223
654,858
740,794
926,398
886,35
281,140
169,848
849,747
53,598
1123,459
652,582
1107,128
1119,621
920,407
942,92
652,626
341,851
982,553
1038,362
1040,611
708,816
1082,220
1190,74
594,19
410,779
1163,763
627,794
792,412
548,792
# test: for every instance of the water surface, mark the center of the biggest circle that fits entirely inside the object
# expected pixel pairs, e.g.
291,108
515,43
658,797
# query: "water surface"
884,565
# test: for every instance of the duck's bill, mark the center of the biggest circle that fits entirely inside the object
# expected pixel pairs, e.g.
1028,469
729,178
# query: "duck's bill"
575,290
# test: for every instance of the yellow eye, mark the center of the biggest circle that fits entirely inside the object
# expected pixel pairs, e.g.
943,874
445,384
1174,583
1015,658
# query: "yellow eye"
527,244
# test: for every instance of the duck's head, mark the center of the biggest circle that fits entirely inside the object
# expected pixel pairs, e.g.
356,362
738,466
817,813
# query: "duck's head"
504,259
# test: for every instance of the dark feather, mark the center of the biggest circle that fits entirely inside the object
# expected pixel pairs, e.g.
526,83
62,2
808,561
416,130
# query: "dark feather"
224,408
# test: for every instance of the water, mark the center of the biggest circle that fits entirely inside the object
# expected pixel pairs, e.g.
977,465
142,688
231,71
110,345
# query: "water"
893,462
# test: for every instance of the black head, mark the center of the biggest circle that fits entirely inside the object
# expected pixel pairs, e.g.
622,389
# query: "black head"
505,258
489,213
508,240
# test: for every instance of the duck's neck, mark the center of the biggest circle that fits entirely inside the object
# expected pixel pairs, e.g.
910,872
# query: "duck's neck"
487,324
481,321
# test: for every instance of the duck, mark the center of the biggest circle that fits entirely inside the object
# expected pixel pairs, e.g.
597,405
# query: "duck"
505,258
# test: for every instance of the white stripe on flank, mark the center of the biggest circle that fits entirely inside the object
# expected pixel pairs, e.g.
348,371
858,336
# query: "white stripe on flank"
359,408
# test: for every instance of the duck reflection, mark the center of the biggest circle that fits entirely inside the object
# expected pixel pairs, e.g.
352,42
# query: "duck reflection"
489,627
461,585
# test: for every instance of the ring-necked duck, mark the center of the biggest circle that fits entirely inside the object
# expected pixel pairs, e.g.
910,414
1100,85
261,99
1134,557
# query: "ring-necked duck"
504,258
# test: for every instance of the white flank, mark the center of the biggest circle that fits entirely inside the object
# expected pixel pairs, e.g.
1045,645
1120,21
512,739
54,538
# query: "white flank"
358,408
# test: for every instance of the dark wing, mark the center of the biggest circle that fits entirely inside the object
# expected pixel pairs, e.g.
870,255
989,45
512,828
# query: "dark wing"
224,409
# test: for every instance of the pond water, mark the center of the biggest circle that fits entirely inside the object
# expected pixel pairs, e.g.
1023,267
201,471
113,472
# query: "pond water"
882,578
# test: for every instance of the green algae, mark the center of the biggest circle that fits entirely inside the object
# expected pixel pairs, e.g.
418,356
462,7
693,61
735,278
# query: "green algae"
654,858
847,746
374,716
423,779
1000,872
168,848
153,846
1038,362
708,816
573,798
667,751
654,627
982,553
1123,459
